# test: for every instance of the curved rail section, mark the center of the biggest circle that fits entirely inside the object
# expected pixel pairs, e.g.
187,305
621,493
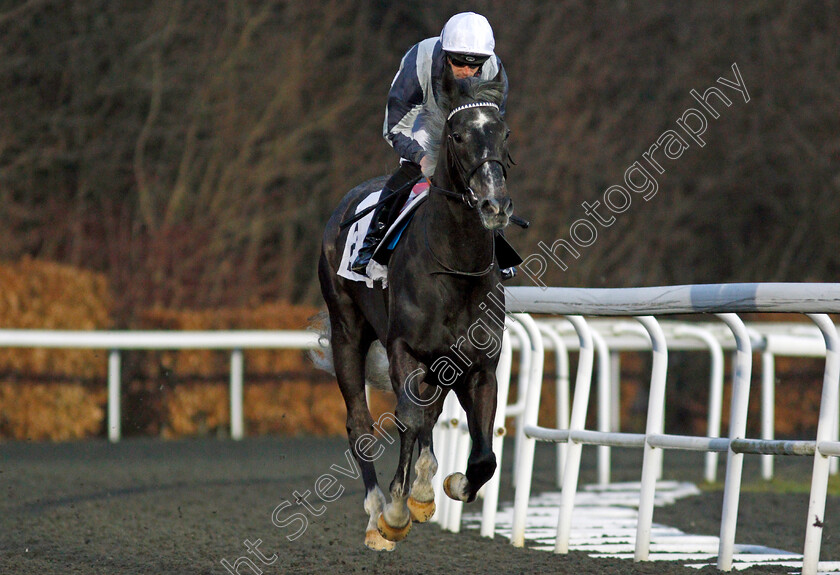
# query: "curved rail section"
724,300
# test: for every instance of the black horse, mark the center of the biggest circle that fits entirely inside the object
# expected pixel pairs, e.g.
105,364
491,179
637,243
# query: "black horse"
440,316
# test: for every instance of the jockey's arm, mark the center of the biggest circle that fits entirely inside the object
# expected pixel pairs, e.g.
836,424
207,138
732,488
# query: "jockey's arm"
405,103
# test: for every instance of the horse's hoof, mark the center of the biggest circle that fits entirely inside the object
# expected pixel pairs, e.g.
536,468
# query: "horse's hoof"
421,511
375,541
392,533
455,486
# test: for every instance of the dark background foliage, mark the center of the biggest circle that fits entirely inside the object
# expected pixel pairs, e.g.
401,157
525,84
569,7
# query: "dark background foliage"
193,150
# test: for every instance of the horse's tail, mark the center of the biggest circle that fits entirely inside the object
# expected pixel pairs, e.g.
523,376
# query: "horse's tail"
376,361
321,357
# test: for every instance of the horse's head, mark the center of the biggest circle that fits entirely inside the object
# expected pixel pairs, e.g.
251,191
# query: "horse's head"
474,143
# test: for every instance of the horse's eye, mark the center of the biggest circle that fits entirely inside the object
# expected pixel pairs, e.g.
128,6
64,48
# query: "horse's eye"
457,137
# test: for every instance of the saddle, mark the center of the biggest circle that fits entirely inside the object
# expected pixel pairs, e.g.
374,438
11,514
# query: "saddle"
359,228
418,195
377,270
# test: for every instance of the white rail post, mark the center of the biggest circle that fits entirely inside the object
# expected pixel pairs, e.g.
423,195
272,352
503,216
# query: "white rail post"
608,408
715,390
583,381
834,462
742,370
491,488
561,392
517,410
237,420
768,408
604,405
615,389
461,445
448,421
652,458
439,441
825,432
114,367
642,332
529,417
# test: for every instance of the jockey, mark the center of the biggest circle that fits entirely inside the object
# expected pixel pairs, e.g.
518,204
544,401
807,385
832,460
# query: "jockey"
466,45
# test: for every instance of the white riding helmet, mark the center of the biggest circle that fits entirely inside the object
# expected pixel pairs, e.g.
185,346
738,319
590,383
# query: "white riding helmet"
468,34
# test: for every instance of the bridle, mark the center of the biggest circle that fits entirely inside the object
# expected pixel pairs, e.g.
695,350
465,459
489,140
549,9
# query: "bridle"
469,196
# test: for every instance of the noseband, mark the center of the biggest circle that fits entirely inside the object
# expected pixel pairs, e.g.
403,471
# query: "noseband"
469,196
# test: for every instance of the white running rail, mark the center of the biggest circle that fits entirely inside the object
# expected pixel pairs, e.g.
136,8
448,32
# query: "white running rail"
724,300
116,341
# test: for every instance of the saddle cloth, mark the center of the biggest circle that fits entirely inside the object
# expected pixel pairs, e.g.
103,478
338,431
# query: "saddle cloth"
358,231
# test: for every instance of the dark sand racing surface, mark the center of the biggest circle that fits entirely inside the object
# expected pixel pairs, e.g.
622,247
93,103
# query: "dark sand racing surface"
148,506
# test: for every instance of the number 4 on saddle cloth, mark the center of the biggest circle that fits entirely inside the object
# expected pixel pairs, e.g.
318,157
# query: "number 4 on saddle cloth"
377,270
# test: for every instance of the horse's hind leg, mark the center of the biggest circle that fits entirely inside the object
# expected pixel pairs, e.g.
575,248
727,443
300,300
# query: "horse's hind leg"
406,375
374,504
350,345
421,499
395,521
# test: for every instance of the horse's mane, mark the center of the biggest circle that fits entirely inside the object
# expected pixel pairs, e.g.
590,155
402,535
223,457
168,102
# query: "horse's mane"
469,90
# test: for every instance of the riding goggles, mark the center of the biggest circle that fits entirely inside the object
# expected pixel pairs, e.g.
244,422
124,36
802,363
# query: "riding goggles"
471,60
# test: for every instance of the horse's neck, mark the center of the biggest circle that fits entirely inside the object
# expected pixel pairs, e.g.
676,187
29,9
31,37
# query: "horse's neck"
455,231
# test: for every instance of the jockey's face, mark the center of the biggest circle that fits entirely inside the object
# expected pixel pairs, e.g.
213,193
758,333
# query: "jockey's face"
461,72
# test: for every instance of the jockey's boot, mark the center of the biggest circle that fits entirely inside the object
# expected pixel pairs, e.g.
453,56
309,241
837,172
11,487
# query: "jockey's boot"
506,257
401,182
375,233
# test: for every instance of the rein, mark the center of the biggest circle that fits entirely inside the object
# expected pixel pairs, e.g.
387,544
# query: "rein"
448,270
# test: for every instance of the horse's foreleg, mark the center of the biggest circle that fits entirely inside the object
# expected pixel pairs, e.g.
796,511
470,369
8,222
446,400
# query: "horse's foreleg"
478,399
421,500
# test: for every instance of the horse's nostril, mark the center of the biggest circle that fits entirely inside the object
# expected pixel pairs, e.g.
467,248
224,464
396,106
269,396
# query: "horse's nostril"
491,206
508,206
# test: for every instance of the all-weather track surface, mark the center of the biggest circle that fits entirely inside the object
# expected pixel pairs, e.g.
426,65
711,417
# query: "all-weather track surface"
147,506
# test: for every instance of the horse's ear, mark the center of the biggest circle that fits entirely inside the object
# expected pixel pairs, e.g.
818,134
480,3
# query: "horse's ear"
499,77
